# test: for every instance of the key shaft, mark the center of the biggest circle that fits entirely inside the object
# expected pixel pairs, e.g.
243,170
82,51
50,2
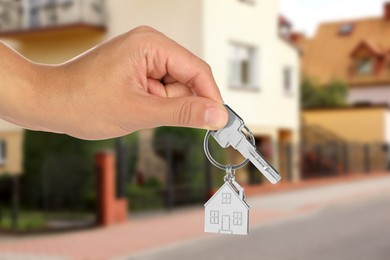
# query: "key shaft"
250,152
232,135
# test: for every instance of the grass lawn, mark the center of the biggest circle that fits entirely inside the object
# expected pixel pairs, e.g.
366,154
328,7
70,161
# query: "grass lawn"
28,220
36,220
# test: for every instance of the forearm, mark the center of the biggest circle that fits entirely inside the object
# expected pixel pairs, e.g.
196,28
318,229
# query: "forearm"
15,83
140,79
19,79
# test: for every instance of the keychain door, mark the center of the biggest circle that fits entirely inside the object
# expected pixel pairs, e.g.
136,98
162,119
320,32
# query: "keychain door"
225,224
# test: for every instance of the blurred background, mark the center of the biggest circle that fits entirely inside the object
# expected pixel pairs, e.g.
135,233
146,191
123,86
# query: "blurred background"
311,79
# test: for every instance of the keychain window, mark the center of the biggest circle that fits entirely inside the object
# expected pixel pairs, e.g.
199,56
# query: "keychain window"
214,217
237,218
226,198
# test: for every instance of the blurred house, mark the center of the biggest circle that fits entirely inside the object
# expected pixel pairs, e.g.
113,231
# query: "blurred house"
245,42
357,53
353,51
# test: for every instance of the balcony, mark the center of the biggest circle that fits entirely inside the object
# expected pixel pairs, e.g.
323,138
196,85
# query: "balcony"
31,18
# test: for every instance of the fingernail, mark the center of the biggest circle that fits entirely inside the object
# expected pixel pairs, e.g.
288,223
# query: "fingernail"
215,117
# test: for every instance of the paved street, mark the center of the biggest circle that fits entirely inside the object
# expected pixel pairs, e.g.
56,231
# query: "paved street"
342,220
351,230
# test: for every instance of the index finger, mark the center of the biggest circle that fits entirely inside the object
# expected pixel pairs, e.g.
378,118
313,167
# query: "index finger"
189,70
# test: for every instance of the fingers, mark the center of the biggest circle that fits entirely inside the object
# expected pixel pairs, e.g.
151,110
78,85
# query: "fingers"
171,90
187,111
168,79
166,57
192,72
178,90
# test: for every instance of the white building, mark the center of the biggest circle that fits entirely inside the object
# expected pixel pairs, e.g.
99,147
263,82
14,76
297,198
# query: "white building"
256,69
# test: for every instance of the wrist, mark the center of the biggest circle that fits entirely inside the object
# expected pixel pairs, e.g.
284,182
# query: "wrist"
44,104
24,98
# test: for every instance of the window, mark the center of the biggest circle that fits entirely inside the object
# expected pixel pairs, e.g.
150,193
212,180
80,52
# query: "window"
214,217
2,152
345,28
248,1
287,79
237,218
242,66
10,15
226,198
364,66
46,12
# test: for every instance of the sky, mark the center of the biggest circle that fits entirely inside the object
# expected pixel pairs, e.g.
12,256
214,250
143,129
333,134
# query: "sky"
307,14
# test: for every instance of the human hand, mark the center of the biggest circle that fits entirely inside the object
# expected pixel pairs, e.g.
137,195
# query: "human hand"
140,79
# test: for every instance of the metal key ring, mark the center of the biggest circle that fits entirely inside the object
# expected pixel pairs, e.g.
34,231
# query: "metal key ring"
219,165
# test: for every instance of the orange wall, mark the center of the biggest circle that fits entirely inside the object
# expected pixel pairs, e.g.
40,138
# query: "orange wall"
351,124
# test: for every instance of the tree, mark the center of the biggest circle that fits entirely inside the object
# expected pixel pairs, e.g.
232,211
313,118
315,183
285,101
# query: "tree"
332,94
59,170
50,160
185,145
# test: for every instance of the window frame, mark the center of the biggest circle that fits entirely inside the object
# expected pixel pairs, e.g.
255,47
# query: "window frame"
237,218
236,82
346,29
248,2
288,82
359,65
214,217
226,198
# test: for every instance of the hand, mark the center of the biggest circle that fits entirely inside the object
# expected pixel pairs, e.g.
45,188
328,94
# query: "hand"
140,79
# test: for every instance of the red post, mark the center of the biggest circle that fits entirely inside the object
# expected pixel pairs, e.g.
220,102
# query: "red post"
110,209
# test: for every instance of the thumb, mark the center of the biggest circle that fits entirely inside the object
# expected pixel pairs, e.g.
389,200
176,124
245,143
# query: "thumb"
197,112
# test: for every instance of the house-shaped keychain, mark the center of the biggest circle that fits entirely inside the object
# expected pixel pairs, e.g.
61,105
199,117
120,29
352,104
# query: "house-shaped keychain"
227,211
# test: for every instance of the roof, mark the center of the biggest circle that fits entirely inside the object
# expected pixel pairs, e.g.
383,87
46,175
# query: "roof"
230,186
288,37
373,48
327,56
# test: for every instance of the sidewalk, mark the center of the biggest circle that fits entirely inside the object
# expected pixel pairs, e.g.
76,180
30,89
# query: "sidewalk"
142,234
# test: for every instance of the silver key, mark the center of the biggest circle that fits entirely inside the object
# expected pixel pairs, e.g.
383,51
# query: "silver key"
232,135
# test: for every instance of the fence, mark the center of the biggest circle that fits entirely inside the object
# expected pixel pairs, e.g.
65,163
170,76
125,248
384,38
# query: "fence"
340,158
177,173
65,197
188,176
182,174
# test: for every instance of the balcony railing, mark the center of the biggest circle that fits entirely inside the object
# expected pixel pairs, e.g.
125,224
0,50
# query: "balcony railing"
18,16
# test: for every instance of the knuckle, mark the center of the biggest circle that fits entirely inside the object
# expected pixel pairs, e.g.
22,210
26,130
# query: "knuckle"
143,38
144,29
207,67
141,33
